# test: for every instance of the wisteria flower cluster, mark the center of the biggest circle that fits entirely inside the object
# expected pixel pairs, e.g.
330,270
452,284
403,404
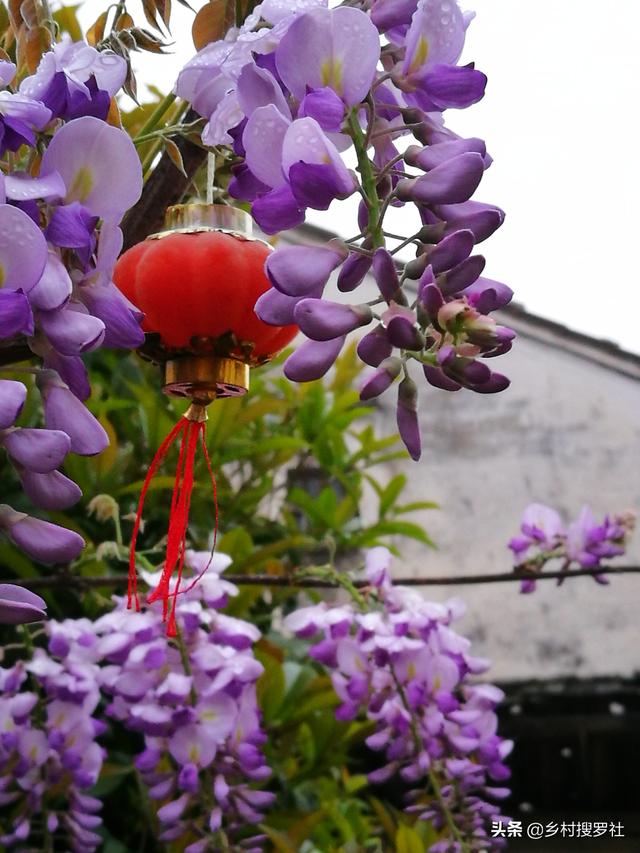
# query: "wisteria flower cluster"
49,756
70,178
292,90
400,664
585,542
193,702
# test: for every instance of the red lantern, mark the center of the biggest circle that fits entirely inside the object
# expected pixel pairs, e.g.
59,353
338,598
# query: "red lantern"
197,283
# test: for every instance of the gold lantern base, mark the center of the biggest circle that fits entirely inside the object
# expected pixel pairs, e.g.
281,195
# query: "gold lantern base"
204,378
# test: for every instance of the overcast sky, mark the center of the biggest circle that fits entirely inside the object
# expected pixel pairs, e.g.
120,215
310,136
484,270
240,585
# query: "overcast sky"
560,118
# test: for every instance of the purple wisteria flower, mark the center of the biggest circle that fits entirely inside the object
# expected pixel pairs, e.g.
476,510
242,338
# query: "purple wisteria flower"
73,79
201,723
209,81
400,664
320,82
21,117
585,542
193,700
49,757
59,241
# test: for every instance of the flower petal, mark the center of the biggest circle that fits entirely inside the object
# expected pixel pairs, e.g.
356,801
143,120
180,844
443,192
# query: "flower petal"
338,48
23,250
263,140
54,287
312,360
99,165
39,450
13,396
15,314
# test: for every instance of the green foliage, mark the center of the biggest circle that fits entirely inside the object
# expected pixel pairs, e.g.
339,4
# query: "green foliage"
293,463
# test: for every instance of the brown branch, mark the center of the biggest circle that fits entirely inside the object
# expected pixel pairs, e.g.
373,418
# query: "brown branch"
165,186
65,580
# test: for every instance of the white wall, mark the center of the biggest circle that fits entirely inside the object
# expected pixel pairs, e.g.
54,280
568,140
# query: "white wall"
567,432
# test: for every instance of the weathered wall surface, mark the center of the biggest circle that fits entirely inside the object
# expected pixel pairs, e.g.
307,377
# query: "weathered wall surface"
567,432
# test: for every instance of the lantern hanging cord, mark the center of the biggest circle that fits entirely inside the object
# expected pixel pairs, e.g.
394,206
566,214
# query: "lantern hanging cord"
211,175
190,432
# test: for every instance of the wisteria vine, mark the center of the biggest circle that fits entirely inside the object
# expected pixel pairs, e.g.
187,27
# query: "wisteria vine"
292,90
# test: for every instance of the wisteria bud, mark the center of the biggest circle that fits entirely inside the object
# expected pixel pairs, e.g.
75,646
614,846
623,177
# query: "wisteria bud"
49,491
487,295
461,276
436,377
450,183
374,347
482,219
276,309
72,330
19,606
322,320
353,270
39,450
63,411
403,333
384,376
451,250
386,276
41,540
407,417
303,270
434,155
431,300
312,359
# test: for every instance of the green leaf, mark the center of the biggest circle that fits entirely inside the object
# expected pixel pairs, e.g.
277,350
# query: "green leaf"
111,776
416,505
408,840
11,558
280,841
67,19
391,493
271,685
397,528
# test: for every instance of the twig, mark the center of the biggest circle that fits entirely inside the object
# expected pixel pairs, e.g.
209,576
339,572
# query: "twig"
66,580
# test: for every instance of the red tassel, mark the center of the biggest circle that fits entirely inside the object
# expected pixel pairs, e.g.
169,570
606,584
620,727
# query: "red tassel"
192,431
132,592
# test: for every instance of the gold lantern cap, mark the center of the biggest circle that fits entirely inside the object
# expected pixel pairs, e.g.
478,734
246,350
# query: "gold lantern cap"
195,217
